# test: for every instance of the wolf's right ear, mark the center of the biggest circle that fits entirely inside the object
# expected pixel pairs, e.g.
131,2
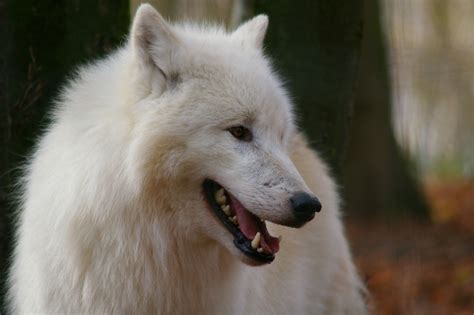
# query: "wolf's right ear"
253,31
153,41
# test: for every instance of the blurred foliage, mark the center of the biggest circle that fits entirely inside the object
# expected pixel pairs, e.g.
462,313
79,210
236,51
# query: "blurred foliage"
452,202
433,71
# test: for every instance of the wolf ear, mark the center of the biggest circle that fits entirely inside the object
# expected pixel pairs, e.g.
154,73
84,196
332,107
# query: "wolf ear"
152,39
253,31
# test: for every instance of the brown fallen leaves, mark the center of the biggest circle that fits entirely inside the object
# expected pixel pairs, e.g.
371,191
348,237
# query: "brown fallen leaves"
421,268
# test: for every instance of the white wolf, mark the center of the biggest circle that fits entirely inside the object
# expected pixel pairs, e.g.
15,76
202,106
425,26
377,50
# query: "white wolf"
154,188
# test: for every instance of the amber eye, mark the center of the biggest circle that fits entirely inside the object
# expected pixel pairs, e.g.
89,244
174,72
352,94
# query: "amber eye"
241,133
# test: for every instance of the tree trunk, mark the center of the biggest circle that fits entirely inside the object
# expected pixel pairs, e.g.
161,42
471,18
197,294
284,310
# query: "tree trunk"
42,41
315,45
376,175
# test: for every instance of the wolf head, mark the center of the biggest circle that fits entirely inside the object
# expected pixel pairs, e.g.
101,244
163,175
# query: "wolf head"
212,126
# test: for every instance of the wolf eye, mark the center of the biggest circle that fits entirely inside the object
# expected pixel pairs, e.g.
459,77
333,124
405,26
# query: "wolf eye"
241,133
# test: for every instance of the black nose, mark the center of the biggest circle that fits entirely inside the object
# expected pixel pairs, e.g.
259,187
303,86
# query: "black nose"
304,206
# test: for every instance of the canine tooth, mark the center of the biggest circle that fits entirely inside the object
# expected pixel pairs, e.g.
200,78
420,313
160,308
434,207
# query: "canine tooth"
234,220
226,209
260,250
280,238
256,241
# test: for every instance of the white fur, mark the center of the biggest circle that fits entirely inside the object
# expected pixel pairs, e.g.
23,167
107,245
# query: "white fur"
113,218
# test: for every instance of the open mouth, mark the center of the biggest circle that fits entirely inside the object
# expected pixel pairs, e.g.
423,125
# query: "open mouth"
250,232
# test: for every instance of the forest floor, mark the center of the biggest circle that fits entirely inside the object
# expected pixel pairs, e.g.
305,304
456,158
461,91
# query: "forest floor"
419,268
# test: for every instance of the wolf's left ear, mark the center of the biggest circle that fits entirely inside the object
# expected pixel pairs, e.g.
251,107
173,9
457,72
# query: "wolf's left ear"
153,40
253,31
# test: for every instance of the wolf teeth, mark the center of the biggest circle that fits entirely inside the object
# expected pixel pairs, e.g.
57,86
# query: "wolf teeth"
256,241
219,192
234,220
226,209
220,197
260,250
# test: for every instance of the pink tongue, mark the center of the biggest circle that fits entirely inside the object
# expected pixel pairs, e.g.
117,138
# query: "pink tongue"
249,224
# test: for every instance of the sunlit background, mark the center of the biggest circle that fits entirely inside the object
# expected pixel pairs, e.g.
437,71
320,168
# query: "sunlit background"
431,44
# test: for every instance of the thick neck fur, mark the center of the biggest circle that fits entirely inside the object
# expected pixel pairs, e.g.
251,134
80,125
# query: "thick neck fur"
169,273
